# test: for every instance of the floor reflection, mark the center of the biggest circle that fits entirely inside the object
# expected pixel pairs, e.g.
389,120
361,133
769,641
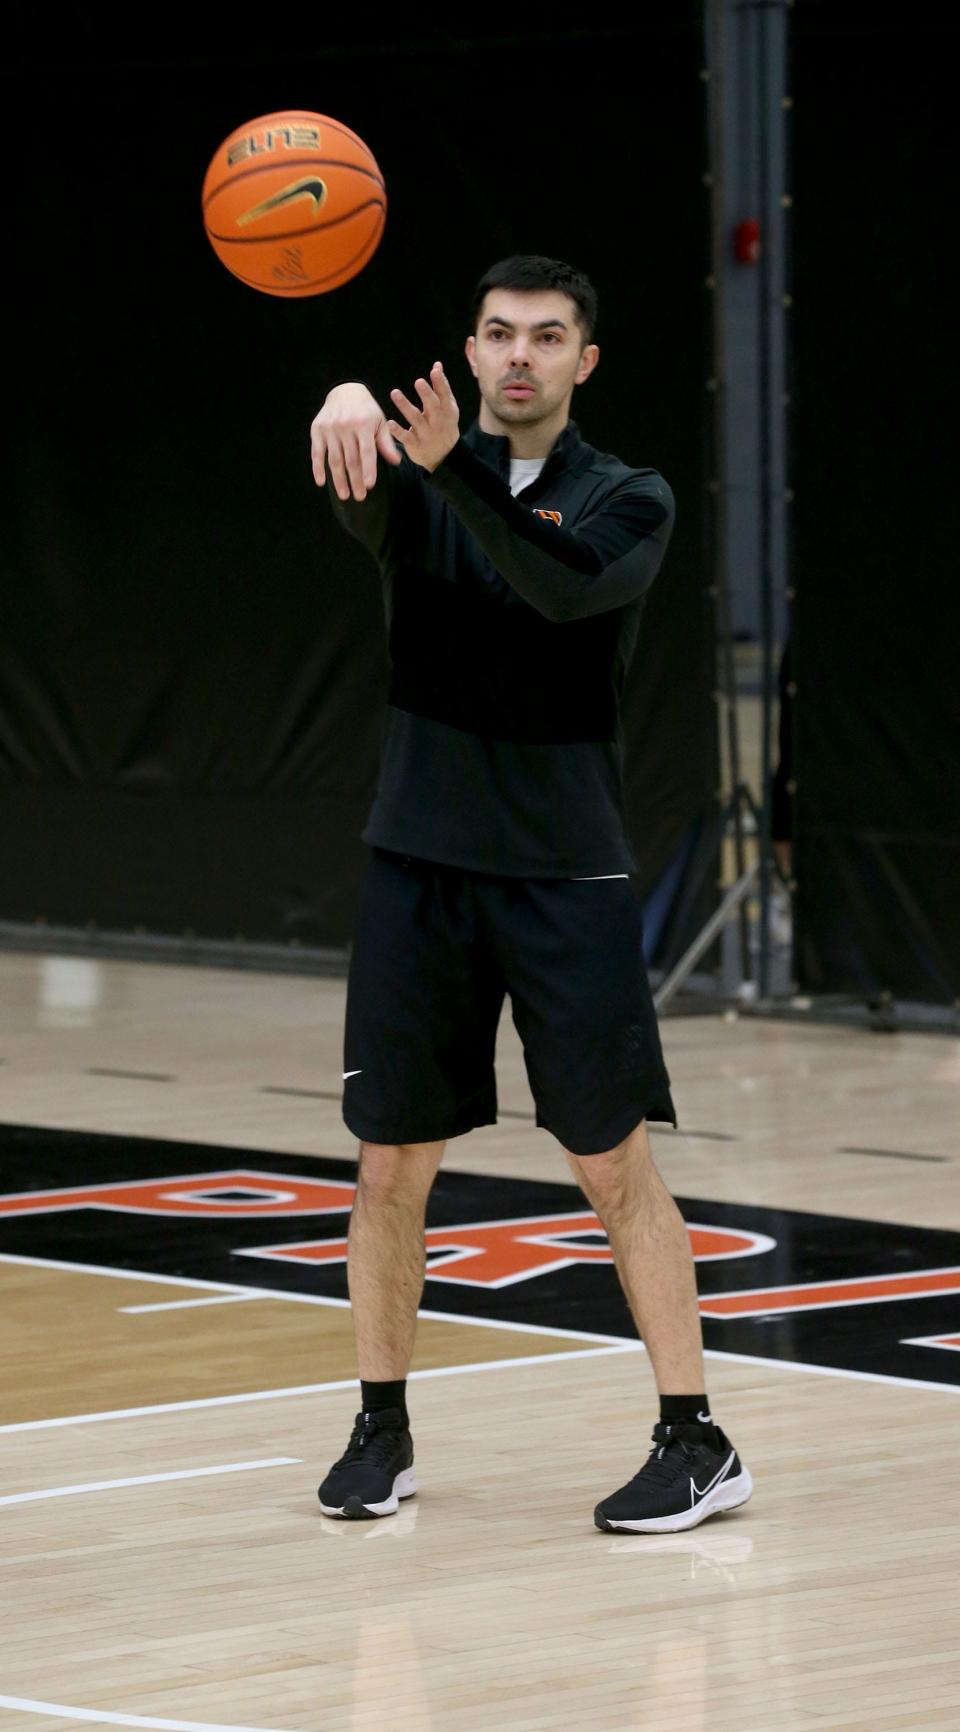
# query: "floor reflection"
718,1551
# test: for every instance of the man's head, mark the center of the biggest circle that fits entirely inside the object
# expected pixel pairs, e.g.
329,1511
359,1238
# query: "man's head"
531,343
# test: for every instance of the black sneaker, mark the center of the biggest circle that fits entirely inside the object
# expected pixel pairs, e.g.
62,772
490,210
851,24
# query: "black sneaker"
374,1472
692,1472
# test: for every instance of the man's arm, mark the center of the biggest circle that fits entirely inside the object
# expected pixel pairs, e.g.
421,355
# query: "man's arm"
609,561
346,438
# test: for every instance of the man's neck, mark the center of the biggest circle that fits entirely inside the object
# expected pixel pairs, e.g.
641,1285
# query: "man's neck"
536,440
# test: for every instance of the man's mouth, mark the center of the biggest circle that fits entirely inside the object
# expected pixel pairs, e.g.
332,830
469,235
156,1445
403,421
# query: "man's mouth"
520,389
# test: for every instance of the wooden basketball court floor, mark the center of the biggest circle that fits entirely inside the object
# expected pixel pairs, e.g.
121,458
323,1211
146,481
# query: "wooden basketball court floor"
164,1562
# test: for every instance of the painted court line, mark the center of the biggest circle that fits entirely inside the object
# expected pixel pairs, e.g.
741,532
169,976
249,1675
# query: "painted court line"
249,1292
188,1304
832,1371
151,1479
613,1343
596,1352
189,1281
100,1717
601,1350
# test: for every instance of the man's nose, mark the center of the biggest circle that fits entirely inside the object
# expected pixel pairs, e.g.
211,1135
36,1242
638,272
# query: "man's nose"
519,356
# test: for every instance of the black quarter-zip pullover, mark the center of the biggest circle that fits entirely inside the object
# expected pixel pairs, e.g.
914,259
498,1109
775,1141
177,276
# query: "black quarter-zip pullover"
511,625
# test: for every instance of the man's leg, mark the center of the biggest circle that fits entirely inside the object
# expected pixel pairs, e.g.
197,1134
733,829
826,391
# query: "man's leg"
385,1270
386,1258
693,1470
651,1249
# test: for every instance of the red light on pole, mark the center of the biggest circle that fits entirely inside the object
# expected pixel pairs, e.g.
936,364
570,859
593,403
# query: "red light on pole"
746,241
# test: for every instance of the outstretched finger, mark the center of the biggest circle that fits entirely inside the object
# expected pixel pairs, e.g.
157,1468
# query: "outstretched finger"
426,393
400,434
440,382
405,406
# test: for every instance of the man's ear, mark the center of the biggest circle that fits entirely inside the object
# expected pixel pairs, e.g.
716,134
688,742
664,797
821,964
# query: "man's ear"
588,360
470,350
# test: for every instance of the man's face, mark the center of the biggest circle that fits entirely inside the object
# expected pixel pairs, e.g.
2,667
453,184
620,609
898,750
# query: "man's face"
528,353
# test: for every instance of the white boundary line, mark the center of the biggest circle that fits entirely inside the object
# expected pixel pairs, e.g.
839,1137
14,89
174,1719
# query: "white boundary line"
298,1298
188,1304
613,1343
600,1350
943,1342
189,1281
100,1717
151,1479
831,1371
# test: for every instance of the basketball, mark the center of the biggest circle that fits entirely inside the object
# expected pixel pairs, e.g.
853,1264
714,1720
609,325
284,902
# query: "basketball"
294,203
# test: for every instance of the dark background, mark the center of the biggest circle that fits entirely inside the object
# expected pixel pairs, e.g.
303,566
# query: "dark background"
192,659
876,454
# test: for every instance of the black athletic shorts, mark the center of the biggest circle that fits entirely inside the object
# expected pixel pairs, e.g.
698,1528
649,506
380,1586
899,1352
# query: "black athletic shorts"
435,952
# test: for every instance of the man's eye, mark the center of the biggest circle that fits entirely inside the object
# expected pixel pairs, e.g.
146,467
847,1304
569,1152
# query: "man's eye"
495,336
551,337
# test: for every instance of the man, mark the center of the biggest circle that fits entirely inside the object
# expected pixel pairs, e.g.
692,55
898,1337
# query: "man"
515,560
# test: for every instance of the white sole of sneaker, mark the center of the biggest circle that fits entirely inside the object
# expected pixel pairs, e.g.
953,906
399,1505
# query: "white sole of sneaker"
404,1485
729,1494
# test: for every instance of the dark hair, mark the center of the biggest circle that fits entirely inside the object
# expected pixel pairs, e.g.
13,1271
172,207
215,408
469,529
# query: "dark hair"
530,271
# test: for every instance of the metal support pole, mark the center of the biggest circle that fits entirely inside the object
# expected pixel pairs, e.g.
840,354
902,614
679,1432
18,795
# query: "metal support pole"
773,305
735,898
726,669
745,72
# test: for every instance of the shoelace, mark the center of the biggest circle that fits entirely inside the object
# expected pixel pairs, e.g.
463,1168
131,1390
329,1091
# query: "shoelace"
670,1458
370,1441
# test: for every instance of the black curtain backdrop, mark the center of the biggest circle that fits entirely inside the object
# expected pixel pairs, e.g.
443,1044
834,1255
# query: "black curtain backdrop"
876,530
192,658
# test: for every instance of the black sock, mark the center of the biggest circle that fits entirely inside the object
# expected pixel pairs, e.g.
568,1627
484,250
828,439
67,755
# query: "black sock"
374,1397
684,1409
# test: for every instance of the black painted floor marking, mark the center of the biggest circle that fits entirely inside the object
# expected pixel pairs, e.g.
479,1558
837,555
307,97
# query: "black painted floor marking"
894,1154
706,1136
311,1094
135,1075
135,1226
655,1130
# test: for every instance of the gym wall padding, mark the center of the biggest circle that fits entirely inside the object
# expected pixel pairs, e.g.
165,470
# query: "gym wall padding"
876,530
192,657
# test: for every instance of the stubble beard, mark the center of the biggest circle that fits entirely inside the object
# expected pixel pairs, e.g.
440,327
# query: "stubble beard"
526,414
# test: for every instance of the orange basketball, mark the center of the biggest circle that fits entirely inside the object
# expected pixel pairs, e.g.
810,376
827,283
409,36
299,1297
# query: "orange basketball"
294,203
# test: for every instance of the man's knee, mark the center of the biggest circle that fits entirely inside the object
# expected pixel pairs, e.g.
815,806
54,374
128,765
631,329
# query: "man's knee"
612,1178
397,1174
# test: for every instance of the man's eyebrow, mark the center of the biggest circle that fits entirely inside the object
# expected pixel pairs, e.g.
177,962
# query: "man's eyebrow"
541,325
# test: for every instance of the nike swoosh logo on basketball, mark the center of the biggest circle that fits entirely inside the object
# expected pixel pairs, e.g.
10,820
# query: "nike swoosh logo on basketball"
310,186
348,1073
697,1495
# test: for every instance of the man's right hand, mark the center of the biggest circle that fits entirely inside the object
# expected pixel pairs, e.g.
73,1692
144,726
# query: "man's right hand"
345,438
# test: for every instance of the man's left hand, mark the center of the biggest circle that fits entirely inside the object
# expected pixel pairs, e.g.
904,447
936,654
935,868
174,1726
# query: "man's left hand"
434,427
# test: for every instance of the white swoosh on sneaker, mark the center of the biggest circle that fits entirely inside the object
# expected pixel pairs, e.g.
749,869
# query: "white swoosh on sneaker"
696,1495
